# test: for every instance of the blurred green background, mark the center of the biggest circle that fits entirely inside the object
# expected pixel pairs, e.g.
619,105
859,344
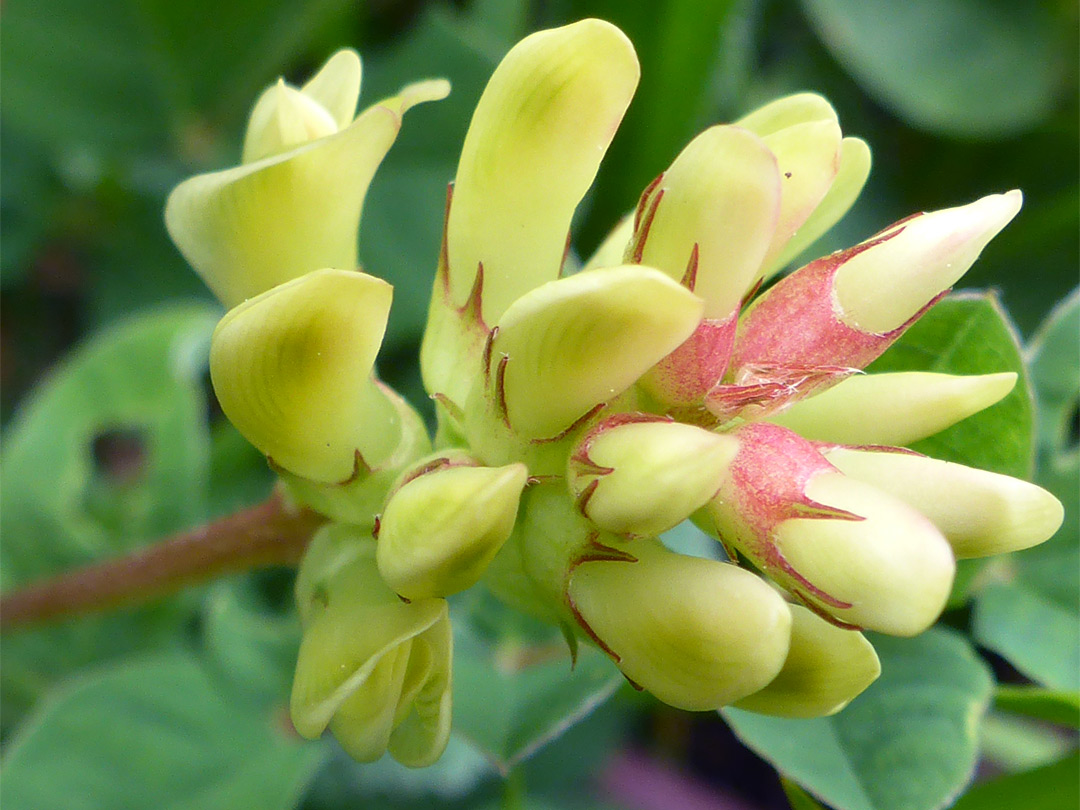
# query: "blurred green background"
105,106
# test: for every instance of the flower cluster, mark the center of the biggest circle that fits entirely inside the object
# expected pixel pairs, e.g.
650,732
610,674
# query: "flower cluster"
583,414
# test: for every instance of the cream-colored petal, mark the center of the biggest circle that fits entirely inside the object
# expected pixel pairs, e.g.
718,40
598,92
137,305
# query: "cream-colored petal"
893,567
612,251
808,156
979,512
893,409
422,734
284,118
881,288
696,633
337,86
574,343
255,226
361,623
825,669
532,150
643,478
721,197
291,369
798,108
854,170
441,529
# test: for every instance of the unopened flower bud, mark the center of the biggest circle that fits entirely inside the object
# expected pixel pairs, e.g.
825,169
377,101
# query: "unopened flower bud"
641,477
698,634
845,548
292,367
707,223
569,345
442,527
854,169
803,132
372,668
893,409
285,117
979,512
881,288
847,308
826,667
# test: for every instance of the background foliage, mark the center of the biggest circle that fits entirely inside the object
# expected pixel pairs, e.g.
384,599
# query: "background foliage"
111,439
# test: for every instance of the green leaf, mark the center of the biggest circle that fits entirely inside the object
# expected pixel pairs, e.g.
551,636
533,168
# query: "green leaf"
1033,619
1058,707
907,743
969,333
1050,787
798,798
135,394
1054,355
1036,634
156,733
514,689
119,78
955,67
249,642
111,450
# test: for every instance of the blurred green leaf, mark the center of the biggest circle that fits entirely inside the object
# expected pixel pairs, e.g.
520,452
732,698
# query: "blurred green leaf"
907,743
109,452
112,449
1054,355
156,733
969,333
1058,707
1037,635
958,67
1033,619
1051,787
344,782
121,78
515,692
250,643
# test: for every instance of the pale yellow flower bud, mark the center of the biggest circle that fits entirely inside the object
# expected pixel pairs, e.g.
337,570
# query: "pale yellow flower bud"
645,477
372,668
825,669
698,634
292,371
444,525
884,286
893,409
979,512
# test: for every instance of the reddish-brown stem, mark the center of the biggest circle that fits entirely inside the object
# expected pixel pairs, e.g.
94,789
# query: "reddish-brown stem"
271,533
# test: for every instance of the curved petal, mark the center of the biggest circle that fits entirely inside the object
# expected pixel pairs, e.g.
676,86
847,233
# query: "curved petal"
696,633
825,669
571,344
337,85
532,150
980,513
255,226
854,169
292,367
894,409
718,204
